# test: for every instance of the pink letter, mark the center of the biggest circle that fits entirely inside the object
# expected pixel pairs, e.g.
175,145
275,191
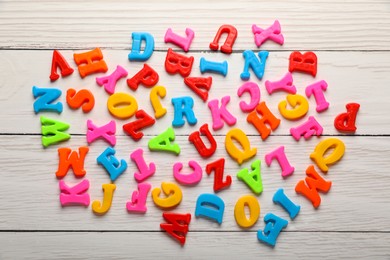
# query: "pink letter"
221,113
144,171
254,91
182,42
273,33
138,198
317,89
284,84
74,195
280,156
109,82
188,179
307,129
106,132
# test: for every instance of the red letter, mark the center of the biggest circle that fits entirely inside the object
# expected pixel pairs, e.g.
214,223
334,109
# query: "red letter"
345,122
59,61
306,62
199,144
177,225
230,39
146,76
196,84
178,63
132,128
218,167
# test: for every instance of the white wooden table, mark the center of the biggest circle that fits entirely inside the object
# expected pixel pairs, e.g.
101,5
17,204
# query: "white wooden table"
352,42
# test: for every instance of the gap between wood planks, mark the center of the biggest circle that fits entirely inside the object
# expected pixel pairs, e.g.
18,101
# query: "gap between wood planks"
190,231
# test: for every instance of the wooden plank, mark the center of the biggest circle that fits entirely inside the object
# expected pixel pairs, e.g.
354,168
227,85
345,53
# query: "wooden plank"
306,25
198,246
352,77
357,201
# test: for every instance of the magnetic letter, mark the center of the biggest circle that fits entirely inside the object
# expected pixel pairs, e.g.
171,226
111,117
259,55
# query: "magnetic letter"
267,118
53,131
111,164
257,65
45,98
254,92
182,42
345,122
183,107
284,84
178,63
146,76
109,82
213,67
218,167
188,179
138,199
322,148
298,102
311,185
76,195
210,206
308,129
317,90
173,193
162,142
230,38
281,157
281,198
254,211
155,93
219,113
177,225
145,171
70,159
252,179
273,226
133,128
306,62
105,132
58,61
83,98
197,84
273,33
122,105
240,155
90,62
102,208
136,54
194,138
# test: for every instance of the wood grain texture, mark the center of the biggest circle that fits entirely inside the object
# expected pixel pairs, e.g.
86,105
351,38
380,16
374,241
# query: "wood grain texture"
351,40
307,25
352,77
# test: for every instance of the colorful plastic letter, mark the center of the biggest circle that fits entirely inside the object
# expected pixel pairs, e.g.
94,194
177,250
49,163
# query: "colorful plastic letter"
284,84
155,93
178,63
240,155
254,211
82,98
219,113
311,185
136,54
122,105
177,225
188,179
273,226
102,208
71,159
109,82
76,195
105,132
138,199
146,76
272,33
254,92
173,194
45,98
257,65
322,148
210,206
183,107
111,164
133,128
197,141
308,129
306,62
213,67
279,155
252,179
182,42
298,102
90,62
317,90
260,123
53,131
230,38
162,142
199,83
281,198
218,167
145,171
58,61
346,122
